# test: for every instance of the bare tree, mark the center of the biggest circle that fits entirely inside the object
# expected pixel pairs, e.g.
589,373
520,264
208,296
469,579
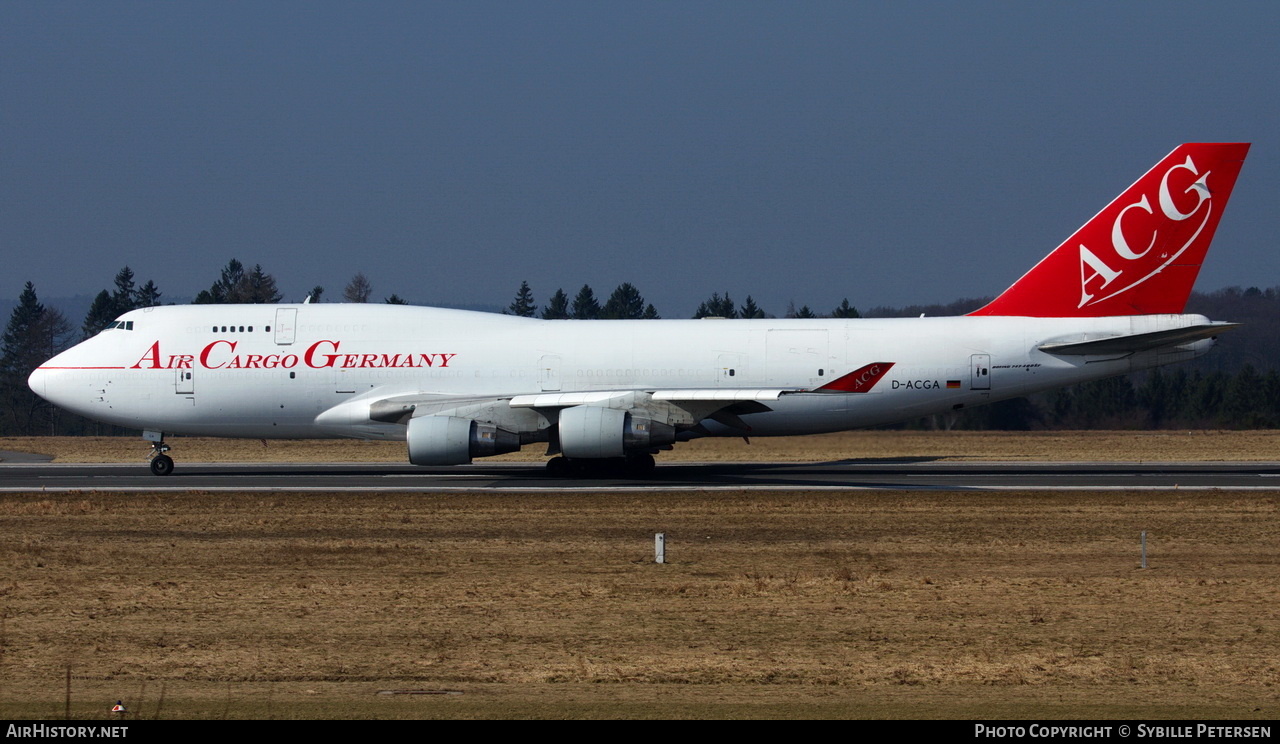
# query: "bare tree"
358,289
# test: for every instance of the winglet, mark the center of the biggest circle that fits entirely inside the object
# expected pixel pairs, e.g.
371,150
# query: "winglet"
1141,254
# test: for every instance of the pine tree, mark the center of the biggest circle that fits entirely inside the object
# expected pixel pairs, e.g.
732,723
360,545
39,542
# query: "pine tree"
29,339
315,294
232,276
805,312
257,288
523,305
585,306
1154,396
395,299
223,290
624,304
238,287
100,315
1244,400
846,310
650,313
125,297
19,345
717,307
558,307
750,310
148,295
1207,392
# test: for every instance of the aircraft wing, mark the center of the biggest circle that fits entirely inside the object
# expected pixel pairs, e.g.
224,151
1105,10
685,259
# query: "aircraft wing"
724,395
692,404
681,406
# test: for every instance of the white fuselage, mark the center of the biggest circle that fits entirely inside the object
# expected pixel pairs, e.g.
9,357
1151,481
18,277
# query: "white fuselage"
299,371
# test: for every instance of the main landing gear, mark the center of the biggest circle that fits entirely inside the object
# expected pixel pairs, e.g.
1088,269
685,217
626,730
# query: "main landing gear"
161,464
637,465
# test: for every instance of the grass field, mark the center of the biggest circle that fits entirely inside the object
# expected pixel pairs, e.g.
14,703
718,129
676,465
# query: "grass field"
857,604
1148,446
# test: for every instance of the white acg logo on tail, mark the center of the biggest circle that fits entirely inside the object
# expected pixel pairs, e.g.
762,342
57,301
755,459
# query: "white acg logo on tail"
1124,249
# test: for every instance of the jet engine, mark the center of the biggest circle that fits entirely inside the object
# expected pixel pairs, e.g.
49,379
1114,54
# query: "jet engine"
448,440
596,432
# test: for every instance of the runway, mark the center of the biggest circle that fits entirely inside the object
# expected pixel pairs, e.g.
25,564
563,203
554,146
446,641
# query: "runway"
904,474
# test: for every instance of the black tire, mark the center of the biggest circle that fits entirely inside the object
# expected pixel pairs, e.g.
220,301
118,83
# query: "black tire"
161,465
557,467
640,465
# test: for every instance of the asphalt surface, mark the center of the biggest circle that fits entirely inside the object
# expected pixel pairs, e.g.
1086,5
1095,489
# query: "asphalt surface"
922,474
11,456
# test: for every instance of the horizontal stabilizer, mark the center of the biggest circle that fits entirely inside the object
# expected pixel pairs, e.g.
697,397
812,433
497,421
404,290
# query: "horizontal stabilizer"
1136,342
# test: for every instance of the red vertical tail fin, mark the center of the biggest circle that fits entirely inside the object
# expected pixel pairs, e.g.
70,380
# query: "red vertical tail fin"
1141,254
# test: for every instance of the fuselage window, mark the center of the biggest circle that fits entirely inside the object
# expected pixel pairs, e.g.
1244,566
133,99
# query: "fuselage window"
224,329
215,329
242,329
250,329
268,329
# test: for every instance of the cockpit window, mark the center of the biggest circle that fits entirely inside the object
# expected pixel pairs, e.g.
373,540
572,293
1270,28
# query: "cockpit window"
124,325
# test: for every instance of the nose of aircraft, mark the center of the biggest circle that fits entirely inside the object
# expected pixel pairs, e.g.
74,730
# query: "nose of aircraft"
38,382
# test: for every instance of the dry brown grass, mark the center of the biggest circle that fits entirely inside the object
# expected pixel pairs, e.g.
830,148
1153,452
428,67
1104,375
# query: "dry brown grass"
865,604
1151,446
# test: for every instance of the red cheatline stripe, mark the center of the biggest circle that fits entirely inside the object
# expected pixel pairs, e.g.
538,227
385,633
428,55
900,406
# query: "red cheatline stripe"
81,368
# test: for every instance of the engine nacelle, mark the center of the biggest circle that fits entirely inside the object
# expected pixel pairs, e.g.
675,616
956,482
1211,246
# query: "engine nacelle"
448,440
596,432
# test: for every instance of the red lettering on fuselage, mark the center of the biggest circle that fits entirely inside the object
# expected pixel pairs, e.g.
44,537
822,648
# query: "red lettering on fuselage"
204,354
324,354
152,354
308,357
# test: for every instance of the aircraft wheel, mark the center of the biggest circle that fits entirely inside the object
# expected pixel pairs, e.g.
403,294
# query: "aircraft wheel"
161,465
640,465
557,467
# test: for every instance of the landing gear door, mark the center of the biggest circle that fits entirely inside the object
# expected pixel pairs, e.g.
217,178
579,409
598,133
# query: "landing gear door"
286,325
980,372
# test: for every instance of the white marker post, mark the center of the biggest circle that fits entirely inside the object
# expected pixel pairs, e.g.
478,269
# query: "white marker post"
660,547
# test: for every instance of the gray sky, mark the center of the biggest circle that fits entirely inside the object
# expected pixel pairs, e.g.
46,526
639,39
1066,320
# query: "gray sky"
891,153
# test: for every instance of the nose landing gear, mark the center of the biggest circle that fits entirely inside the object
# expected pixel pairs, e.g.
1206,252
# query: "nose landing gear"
161,464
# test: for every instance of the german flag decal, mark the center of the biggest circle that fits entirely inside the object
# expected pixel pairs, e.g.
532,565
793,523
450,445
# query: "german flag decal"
953,384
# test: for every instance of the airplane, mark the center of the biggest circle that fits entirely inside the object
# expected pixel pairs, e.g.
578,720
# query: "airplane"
605,396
